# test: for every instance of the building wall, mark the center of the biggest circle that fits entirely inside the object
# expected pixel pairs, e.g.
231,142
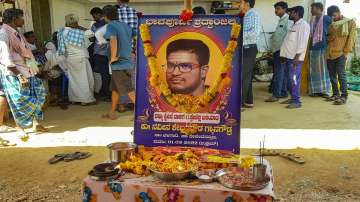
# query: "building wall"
60,8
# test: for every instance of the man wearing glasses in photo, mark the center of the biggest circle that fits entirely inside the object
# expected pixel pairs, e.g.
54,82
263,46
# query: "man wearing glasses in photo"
187,66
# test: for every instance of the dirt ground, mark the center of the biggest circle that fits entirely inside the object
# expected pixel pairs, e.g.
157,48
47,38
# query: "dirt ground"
330,176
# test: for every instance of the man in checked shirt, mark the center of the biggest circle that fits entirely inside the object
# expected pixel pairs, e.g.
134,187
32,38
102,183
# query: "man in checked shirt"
128,15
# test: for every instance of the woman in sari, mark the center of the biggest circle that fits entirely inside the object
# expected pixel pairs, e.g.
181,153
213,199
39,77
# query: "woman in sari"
24,91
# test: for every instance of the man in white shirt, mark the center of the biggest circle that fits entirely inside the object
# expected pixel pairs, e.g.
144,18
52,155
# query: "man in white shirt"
293,52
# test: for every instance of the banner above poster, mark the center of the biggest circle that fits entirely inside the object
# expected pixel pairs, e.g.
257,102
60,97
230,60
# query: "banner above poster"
188,85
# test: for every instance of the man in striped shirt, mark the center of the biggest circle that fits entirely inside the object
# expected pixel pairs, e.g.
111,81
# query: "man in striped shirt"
251,35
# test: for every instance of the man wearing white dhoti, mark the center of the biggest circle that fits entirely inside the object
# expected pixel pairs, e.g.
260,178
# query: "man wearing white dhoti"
72,44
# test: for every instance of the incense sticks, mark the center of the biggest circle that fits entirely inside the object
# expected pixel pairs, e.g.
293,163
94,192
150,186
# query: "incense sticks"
262,150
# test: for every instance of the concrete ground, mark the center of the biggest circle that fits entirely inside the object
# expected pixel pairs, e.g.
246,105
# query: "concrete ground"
326,176
315,114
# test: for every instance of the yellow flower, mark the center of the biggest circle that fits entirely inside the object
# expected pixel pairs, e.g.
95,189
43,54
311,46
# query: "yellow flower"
148,49
145,32
231,46
235,31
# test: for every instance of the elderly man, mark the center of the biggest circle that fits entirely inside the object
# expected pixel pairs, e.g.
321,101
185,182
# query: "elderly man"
71,44
24,91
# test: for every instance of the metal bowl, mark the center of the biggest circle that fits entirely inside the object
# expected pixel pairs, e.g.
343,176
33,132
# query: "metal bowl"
121,151
165,176
210,173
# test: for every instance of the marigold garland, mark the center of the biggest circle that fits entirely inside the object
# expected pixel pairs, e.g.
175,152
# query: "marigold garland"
188,103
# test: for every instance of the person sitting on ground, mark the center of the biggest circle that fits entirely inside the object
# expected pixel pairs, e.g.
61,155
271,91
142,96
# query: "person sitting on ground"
72,45
56,69
25,92
120,36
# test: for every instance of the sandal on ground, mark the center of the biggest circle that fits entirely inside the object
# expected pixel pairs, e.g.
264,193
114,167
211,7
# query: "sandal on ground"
272,99
57,158
4,129
108,116
122,108
248,105
88,104
340,101
6,143
293,158
331,99
41,129
286,102
77,156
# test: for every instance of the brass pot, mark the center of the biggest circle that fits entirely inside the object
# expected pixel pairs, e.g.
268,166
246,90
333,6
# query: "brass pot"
119,152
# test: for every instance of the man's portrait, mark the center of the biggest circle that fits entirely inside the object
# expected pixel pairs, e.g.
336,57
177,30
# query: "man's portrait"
187,66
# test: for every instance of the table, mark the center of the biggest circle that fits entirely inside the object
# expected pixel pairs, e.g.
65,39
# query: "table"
150,189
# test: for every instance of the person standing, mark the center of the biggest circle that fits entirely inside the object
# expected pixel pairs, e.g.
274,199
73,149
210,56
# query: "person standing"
319,80
101,62
293,51
129,16
24,92
251,34
120,37
279,87
341,40
71,44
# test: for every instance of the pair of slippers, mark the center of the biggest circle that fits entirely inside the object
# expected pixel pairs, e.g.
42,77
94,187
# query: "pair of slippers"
6,143
69,157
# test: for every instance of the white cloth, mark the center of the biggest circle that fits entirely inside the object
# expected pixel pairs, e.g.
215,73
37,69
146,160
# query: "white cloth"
97,82
53,60
99,35
79,72
296,40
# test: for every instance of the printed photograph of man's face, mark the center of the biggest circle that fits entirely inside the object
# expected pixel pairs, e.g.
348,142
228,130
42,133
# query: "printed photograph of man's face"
187,66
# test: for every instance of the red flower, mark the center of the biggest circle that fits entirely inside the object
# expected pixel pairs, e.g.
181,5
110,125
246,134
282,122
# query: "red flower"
186,15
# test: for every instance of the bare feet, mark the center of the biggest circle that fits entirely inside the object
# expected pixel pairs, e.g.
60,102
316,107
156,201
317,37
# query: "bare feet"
111,116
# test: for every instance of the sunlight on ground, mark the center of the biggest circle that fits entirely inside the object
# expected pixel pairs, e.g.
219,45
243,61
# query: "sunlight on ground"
275,138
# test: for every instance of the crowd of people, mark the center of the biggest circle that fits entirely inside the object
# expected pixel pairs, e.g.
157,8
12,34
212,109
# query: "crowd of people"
329,38
77,66
82,65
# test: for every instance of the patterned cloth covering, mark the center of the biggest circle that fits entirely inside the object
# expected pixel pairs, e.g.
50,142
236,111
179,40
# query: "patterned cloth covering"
70,36
25,103
151,189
